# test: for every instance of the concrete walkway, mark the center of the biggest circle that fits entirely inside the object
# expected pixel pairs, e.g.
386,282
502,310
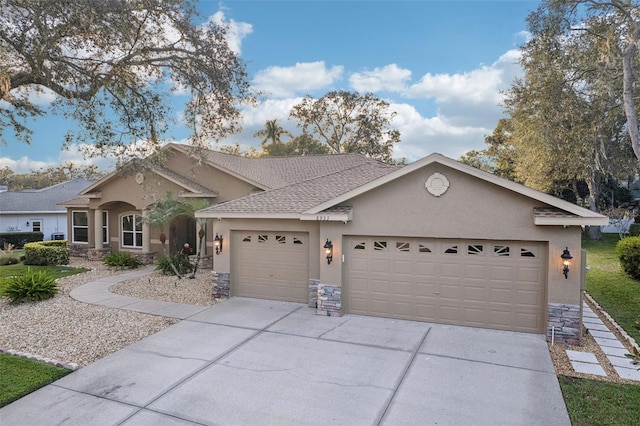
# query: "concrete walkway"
249,361
584,362
97,293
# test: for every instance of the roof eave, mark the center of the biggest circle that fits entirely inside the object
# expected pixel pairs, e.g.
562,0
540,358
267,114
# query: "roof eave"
328,217
227,215
573,221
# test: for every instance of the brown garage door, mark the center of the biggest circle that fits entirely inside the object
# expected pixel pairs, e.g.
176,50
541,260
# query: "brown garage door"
270,265
492,284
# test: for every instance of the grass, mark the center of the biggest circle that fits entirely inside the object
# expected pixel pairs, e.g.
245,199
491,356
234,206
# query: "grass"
592,402
9,271
20,376
618,294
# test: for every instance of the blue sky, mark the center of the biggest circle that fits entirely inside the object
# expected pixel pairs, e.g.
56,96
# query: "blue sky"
440,64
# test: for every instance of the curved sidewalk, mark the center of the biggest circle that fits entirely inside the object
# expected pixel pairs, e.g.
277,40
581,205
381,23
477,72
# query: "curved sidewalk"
97,293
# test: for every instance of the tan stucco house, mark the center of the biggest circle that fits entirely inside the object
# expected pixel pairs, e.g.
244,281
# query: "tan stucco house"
435,241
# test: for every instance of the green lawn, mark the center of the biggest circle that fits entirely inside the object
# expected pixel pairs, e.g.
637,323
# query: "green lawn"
592,402
9,271
20,376
618,294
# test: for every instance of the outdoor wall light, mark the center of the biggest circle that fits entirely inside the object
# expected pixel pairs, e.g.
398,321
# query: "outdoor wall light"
27,223
217,243
566,261
328,249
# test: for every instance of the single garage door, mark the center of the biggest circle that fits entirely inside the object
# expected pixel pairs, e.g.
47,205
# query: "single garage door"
491,284
270,265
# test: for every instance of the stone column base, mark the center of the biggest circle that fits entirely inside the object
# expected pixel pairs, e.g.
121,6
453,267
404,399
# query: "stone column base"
329,300
564,323
221,282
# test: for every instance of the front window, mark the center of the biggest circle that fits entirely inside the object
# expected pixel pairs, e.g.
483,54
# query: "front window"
105,227
132,231
36,225
80,227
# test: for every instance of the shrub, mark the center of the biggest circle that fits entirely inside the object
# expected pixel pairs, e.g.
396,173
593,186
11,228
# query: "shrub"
634,229
181,263
19,239
628,251
123,260
30,286
46,253
7,259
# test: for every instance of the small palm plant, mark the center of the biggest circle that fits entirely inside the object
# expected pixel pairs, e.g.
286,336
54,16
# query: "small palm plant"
32,286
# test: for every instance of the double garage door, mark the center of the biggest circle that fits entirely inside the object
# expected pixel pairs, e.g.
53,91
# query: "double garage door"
492,284
270,265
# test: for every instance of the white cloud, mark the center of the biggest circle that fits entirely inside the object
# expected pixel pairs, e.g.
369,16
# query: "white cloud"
422,136
37,95
389,78
302,78
236,33
23,164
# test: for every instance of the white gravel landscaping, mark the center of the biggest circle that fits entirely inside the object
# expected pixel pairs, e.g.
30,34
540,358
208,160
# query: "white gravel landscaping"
67,331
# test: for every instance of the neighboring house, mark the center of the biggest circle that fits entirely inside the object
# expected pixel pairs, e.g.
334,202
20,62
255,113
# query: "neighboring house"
435,241
36,210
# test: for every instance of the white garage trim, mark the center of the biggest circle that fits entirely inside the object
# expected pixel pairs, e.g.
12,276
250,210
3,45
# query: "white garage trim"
482,283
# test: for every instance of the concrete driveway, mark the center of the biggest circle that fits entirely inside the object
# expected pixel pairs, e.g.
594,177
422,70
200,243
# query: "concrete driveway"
249,361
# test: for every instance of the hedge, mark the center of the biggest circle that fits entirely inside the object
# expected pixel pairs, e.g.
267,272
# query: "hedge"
53,252
628,251
19,239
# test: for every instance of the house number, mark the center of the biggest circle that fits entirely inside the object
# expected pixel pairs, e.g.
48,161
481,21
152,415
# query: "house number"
322,218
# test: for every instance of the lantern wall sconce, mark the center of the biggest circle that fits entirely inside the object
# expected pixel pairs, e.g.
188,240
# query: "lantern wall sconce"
566,261
328,249
217,243
27,223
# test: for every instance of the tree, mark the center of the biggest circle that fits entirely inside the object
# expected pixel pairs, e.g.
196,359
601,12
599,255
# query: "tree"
616,25
299,145
272,132
565,120
45,177
164,211
349,122
111,66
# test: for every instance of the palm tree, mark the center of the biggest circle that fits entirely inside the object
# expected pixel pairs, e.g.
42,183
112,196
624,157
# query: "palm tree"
272,132
164,211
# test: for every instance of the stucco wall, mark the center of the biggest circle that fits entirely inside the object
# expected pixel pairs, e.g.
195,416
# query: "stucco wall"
224,227
471,208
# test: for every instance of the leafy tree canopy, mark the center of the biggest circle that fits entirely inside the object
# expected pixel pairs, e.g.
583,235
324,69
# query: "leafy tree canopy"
46,177
349,122
111,65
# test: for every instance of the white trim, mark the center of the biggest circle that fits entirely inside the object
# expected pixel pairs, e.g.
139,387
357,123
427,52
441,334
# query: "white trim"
329,217
73,227
217,215
571,221
134,232
105,225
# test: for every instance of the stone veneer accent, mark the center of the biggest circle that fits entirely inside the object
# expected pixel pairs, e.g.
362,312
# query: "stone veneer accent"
97,254
567,323
221,282
313,293
329,300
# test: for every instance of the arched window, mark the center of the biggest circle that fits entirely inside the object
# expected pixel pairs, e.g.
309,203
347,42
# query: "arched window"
131,230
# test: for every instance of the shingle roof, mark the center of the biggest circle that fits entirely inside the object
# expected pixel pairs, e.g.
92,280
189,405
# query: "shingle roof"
41,200
277,172
299,197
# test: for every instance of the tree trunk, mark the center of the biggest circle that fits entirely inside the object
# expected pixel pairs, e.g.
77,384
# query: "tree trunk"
201,235
593,183
627,90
